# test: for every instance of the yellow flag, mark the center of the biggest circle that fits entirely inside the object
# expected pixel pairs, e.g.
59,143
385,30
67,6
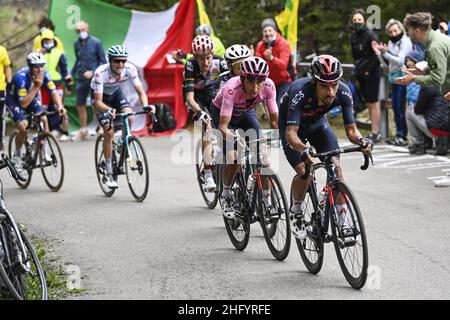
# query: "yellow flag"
287,21
203,16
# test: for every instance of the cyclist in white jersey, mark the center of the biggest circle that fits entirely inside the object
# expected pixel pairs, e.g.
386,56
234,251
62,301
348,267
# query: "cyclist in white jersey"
109,97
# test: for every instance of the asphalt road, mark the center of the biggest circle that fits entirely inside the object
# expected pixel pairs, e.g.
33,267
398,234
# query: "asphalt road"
172,247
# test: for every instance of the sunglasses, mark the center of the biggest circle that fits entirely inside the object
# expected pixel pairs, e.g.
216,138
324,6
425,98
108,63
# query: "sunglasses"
117,61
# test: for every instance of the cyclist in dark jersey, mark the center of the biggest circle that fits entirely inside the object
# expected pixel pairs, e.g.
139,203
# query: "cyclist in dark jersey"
302,118
202,76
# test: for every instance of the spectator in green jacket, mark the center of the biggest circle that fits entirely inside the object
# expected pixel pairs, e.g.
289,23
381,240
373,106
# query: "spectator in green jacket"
437,53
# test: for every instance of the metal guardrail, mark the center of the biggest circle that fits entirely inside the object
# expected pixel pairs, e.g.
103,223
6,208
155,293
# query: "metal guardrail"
383,96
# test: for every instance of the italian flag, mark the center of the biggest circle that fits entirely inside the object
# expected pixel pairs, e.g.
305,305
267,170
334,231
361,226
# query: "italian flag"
148,36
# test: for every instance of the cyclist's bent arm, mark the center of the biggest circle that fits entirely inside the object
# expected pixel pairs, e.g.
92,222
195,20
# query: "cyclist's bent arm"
273,118
57,100
98,102
353,133
26,100
224,121
195,107
293,139
142,95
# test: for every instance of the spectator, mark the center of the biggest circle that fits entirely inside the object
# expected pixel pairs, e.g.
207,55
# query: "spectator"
367,69
443,27
57,68
438,53
435,111
277,52
5,80
46,24
89,55
417,127
394,53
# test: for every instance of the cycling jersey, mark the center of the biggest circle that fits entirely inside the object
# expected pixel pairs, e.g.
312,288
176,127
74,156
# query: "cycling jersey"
204,87
299,107
232,101
106,82
20,85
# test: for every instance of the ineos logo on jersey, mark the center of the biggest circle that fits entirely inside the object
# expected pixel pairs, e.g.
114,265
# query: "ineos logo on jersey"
298,97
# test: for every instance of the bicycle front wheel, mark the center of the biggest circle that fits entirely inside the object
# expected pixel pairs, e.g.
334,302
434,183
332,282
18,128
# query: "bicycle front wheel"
136,169
238,229
273,213
51,162
100,167
351,251
27,171
24,277
210,197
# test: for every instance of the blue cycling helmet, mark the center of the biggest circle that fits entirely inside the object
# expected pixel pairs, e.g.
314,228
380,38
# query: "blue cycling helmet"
117,51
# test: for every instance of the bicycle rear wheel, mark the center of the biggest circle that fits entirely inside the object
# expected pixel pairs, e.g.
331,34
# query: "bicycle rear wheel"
210,198
27,171
274,220
51,162
25,278
238,229
311,249
100,167
351,251
136,169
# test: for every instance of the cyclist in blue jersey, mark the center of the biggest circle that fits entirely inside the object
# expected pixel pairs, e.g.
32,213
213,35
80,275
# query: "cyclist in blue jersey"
302,118
22,97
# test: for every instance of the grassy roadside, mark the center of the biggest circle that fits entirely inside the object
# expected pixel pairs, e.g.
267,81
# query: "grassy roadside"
57,277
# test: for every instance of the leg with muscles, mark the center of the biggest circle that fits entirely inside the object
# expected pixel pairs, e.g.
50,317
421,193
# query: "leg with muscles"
341,206
20,139
228,174
298,189
108,136
210,185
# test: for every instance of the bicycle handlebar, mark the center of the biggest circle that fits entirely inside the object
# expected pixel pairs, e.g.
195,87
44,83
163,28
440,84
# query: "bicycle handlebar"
5,162
146,110
336,152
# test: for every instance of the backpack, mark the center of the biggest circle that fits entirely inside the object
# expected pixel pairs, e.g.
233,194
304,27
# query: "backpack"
164,119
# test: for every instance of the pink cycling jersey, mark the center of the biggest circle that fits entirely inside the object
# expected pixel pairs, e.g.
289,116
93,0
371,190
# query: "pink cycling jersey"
232,102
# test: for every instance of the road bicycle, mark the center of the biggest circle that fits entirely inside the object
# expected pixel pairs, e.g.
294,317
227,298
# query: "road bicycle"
128,157
251,205
320,214
21,274
42,151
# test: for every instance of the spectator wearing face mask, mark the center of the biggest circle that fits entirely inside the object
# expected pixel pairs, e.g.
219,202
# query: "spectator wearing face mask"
277,52
57,68
46,24
89,55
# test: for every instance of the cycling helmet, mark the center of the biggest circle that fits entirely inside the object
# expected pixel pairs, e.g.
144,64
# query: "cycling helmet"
326,68
117,51
254,68
204,29
202,45
36,59
236,53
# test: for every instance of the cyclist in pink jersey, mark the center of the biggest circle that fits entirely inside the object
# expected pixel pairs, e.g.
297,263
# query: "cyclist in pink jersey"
234,108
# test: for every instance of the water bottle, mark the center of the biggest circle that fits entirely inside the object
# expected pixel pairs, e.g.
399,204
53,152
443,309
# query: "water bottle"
322,198
250,181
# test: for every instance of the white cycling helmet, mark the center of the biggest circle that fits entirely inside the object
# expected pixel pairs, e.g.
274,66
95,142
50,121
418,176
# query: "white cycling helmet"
117,51
36,59
236,53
